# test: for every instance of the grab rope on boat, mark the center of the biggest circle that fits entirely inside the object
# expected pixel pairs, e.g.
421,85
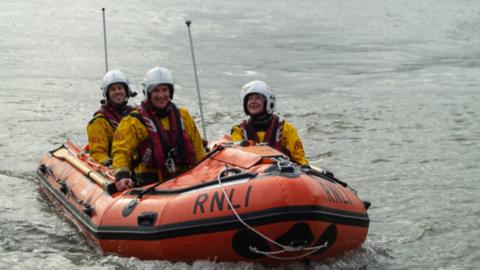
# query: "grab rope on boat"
270,254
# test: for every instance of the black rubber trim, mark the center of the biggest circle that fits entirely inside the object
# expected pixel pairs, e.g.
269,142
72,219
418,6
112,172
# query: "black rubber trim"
202,226
274,215
201,185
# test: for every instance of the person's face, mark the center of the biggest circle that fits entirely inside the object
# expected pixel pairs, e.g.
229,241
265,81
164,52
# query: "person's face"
160,96
116,93
255,104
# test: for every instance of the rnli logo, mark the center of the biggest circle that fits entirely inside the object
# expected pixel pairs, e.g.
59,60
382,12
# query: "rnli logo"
208,202
335,195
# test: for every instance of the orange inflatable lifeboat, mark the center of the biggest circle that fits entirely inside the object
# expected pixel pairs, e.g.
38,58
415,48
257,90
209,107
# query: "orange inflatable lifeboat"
240,203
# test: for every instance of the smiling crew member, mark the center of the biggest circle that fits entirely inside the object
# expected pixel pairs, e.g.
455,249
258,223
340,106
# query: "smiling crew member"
264,126
158,140
116,91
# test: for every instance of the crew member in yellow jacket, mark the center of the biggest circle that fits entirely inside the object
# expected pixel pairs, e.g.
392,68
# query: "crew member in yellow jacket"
264,126
116,91
158,140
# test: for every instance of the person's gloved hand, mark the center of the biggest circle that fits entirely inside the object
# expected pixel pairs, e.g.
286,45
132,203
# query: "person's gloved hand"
123,184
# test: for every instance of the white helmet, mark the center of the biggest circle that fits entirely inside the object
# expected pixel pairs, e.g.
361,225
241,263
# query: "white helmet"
156,76
112,77
262,88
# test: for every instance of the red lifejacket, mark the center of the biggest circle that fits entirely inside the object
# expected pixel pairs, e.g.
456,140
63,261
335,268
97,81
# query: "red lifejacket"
162,143
273,133
111,114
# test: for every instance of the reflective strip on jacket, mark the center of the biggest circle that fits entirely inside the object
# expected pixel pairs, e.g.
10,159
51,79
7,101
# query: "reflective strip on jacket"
132,132
289,140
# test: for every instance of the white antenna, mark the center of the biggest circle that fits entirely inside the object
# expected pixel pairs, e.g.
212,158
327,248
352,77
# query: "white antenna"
105,40
188,22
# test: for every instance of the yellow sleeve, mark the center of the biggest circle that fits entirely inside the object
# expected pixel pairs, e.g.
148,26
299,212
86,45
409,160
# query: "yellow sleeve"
292,142
129,134
100,135
192,131
237,133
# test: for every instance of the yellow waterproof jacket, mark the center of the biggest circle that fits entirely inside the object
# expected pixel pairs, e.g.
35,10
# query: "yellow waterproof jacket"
131,133
289,140
100,135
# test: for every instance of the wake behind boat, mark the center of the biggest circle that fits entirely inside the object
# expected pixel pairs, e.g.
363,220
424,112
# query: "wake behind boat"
242,202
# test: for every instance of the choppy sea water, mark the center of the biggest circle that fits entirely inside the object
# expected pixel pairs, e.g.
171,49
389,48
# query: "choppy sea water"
383,93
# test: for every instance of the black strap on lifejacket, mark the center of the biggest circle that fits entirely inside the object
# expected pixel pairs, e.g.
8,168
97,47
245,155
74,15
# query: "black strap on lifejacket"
166,146
138,160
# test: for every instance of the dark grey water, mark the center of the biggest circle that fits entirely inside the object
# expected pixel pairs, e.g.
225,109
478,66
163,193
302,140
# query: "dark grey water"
384,93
